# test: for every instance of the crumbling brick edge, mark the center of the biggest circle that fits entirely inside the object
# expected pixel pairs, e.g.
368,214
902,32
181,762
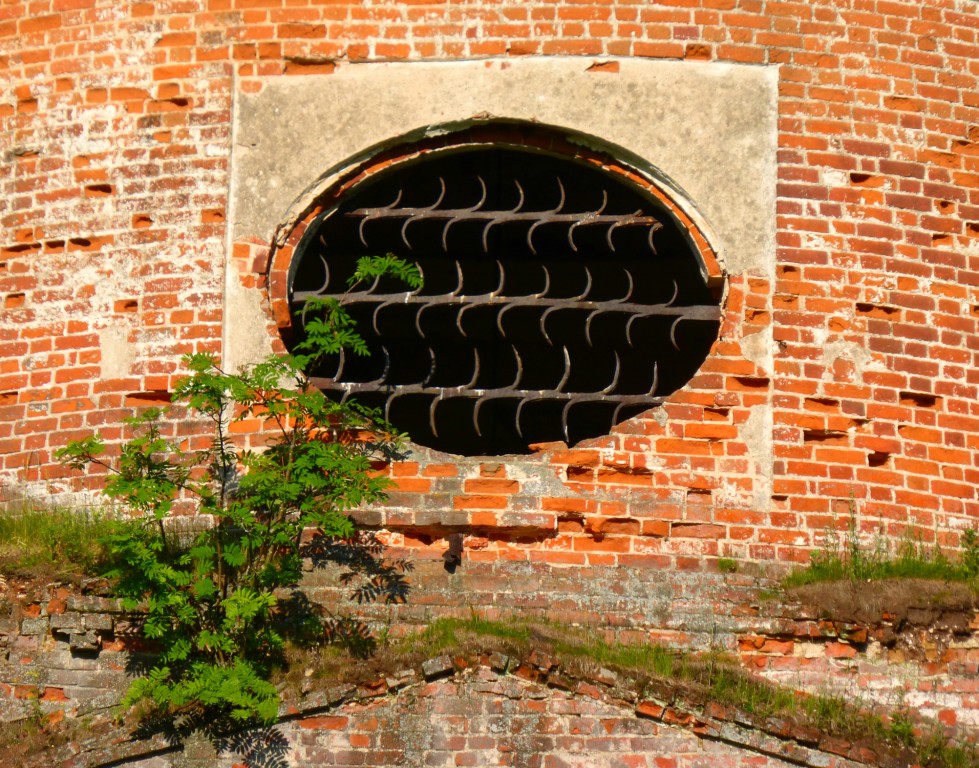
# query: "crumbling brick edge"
773,737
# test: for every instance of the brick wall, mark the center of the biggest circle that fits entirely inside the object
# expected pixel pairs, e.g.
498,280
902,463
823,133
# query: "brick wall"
115,171
64,654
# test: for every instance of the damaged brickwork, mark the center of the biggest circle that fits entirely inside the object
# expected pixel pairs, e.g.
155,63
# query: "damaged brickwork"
494,708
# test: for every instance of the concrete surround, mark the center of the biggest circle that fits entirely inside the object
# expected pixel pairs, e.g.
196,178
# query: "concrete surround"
710,128
708,131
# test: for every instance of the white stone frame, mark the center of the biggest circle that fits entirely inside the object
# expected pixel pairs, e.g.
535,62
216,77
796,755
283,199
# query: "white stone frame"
707,131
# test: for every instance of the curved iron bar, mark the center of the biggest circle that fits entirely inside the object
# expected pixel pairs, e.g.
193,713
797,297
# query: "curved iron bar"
373,383
541,294
578,223
546,216
491,296
360,228
434,206
554,215
516,209
482,398
479,204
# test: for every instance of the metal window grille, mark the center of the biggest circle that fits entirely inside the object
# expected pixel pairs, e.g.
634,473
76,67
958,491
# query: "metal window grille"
558,299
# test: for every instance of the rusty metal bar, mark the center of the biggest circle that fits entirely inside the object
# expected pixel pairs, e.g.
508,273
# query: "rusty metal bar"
491,218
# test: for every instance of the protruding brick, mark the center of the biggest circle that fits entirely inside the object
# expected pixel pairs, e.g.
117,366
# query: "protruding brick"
438,667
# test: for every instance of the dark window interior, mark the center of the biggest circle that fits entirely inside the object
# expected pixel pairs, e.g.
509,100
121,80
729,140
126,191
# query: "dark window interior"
558,300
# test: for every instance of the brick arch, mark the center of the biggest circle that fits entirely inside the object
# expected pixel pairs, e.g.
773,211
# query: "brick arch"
497,710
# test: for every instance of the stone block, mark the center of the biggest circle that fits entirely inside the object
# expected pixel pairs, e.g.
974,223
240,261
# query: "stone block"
367,517
542,661
604,677
84,641
100,622
38,626
67,622
438,667
401,679
94,604
560,682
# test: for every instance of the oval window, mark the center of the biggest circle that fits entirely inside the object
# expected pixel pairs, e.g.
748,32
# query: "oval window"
559,299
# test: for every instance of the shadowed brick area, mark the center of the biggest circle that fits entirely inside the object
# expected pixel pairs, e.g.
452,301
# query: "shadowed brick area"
692,609
65,656
491,710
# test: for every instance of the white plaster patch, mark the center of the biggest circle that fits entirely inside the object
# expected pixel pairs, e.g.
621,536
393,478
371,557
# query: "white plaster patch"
834,177
117,352
860,356
246,341
709,128
759,348
757,435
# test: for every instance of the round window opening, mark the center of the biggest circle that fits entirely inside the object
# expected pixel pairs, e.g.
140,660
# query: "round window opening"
560,298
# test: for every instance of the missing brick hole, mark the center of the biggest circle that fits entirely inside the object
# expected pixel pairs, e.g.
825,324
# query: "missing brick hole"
99,189
877,458
604,66
153,397
866,307
21,247
920,399
8,398
972,228
860,178
311,61
753,381
824,436
127,305
580,474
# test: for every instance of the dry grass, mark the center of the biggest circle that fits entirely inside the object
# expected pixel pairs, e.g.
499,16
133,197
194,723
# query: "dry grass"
904,600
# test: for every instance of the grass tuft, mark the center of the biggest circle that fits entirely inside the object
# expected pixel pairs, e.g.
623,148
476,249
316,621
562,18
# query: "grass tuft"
55,544
850,560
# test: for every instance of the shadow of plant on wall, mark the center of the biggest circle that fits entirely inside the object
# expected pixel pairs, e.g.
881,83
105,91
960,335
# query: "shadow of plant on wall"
214,598
369,576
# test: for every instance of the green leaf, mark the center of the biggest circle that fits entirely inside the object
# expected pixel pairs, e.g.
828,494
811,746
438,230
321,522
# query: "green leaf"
371,267
234,555
204,589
